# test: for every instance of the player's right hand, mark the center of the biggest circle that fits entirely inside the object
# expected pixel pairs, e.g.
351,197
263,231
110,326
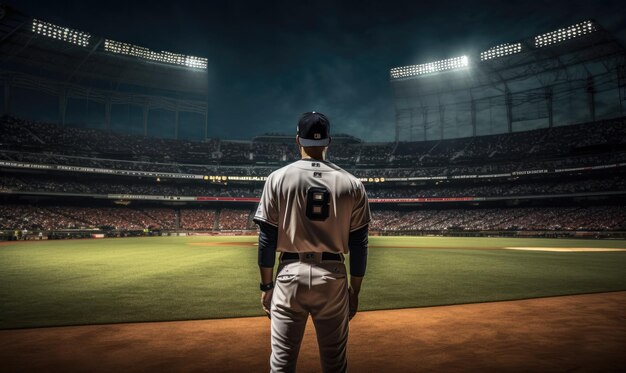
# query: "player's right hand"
353,298
266,301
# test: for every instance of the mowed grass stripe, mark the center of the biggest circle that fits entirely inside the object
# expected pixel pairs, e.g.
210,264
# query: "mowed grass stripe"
81,284
166,278
490,242
399,278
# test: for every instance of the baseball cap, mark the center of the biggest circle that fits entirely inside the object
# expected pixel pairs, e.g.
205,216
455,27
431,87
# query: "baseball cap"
314,129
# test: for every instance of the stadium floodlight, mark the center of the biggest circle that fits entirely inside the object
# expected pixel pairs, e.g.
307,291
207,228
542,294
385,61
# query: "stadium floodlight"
60,33
431,67
563,34
127,49
500,51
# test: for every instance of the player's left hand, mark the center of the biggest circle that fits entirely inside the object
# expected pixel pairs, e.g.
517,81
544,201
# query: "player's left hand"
266,301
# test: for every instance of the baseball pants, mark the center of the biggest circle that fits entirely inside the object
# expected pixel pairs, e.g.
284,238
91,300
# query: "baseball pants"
319,288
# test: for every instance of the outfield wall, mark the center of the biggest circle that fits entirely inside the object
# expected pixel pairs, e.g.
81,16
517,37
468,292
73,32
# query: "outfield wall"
535,233
8,235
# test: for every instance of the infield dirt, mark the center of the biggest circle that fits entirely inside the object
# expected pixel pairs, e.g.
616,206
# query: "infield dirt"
569,333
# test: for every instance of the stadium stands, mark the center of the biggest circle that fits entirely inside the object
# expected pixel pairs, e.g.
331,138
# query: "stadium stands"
120,218
483,162
48,143
77,185
589,157
55,217
602,218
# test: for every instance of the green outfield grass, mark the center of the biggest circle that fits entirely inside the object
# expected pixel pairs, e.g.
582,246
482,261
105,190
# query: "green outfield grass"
176,278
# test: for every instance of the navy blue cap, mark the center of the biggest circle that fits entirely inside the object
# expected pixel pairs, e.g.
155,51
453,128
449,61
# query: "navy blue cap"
314,129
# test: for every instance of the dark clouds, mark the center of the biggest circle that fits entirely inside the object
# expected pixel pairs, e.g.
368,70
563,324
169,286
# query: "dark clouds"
269,61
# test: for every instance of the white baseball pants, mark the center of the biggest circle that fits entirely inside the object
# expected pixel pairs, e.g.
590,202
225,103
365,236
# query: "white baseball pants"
316,287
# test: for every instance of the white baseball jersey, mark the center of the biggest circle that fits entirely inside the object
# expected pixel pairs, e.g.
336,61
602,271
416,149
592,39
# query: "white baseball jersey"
314,204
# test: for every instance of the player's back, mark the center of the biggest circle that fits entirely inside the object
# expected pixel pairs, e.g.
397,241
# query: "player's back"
318,204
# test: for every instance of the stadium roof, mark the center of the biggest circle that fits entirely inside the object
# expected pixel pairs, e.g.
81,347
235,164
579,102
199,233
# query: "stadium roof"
531,56
555,78
58,52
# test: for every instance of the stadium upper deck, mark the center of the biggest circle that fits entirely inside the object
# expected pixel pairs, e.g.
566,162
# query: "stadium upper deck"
62,74
585,145
573,74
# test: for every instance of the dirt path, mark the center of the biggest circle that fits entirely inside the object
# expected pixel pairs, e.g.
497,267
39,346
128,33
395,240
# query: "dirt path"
571,333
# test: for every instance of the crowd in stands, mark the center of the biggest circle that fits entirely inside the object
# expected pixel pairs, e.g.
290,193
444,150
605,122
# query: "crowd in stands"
583,145
548,142
197,219
500,219
66,140
269,152
196,188
99,186
602,218
231,219
547,187
29,217
580,161
380,171
492,168
64,217
48,143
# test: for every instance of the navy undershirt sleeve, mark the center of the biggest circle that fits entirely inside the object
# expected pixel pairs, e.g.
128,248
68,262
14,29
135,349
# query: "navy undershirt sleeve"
357,242
268,238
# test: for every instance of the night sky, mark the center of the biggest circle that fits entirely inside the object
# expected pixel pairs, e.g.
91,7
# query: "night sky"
269,61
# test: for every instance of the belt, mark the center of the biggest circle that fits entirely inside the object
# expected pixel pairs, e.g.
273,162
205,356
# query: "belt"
310,256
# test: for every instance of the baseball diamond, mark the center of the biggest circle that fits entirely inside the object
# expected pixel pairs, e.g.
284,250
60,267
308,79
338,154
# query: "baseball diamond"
79,282
324,187
120,285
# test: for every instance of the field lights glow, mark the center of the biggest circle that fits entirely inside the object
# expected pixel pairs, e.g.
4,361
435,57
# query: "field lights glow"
163,56
431,67
500,51
563,34
61,33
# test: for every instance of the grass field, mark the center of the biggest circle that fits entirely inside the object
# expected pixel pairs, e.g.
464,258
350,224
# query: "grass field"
179,278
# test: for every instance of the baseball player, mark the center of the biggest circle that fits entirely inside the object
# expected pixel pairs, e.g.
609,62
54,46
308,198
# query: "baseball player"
312,212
